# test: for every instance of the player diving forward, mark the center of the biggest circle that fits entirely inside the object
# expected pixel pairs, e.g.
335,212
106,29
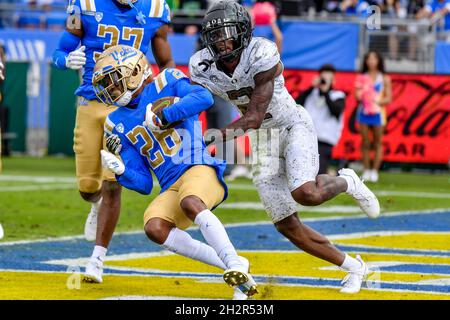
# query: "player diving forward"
191,180
248,72
98,25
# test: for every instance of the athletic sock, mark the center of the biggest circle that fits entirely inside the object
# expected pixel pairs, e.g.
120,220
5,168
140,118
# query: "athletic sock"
182,243
99,253
350,264
350,183
215,235
97,204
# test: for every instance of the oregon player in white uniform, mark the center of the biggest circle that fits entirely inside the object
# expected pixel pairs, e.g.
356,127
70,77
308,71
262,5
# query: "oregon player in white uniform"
248,72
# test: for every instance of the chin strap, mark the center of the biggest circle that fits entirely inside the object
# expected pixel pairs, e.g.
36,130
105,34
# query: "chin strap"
140,17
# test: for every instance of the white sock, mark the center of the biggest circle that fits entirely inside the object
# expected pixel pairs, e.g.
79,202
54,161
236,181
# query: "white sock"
97,204
215,235
182,243
350,183
99,253
350,263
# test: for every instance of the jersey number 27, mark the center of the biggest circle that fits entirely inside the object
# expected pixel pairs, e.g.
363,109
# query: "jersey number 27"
115,34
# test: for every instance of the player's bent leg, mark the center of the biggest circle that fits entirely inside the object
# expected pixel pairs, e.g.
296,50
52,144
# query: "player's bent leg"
314,243
200,191
165,210
324,188
109,212
88,141
309,240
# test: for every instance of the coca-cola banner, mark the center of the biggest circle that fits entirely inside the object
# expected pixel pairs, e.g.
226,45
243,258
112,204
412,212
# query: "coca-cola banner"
418,119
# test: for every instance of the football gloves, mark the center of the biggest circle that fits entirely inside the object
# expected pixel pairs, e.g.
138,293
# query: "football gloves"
76,59
152,121
114,144
111,162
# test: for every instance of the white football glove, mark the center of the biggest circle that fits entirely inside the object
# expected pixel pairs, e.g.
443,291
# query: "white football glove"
111,162
76,59
152,122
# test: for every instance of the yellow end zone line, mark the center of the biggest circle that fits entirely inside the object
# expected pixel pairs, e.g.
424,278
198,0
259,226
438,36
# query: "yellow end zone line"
273,284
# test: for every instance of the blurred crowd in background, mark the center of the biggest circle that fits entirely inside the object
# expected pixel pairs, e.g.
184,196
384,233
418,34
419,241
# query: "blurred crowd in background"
50,14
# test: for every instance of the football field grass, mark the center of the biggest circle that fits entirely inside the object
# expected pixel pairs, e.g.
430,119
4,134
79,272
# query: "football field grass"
409,246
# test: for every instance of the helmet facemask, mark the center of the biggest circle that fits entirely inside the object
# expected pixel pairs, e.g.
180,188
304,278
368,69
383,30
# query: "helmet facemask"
218,41
118,85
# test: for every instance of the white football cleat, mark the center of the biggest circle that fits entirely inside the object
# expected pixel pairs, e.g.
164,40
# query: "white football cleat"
2,233
366,199
94,271
354,279
241,278
90,227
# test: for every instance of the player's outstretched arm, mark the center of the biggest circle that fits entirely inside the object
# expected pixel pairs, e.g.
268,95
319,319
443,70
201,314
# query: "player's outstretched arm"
259,102
67,56
161,48
194,100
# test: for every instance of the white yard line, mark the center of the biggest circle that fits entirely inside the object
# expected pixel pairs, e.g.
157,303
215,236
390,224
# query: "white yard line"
38,179
41,187
231,186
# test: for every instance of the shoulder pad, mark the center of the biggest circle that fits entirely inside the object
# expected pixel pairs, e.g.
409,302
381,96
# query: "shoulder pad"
263,55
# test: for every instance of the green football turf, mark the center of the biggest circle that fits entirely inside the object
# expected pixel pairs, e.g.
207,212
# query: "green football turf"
34,214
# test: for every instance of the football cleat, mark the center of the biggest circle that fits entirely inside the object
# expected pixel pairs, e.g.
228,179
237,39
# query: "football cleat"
239,295
366,199
241,279
94,271
354,279
90,227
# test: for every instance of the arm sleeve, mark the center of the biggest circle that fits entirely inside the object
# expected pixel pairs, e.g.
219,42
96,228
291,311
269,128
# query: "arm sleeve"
136,176
194,100
67,44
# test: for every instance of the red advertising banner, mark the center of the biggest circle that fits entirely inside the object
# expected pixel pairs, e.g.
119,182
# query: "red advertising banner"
418,119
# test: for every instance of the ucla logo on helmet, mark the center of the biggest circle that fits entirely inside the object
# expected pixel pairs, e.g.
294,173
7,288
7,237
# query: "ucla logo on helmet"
123,54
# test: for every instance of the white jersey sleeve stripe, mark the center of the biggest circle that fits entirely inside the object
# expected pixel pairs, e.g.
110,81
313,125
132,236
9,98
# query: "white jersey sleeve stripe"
93,7
83,5
161,8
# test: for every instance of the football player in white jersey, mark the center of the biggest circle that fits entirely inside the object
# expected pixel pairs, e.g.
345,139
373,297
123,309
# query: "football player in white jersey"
248,72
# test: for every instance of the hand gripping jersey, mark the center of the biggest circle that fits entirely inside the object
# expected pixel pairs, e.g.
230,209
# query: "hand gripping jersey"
106,24
169,153
261,55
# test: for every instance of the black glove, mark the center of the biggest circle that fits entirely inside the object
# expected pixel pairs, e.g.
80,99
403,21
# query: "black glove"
113,144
